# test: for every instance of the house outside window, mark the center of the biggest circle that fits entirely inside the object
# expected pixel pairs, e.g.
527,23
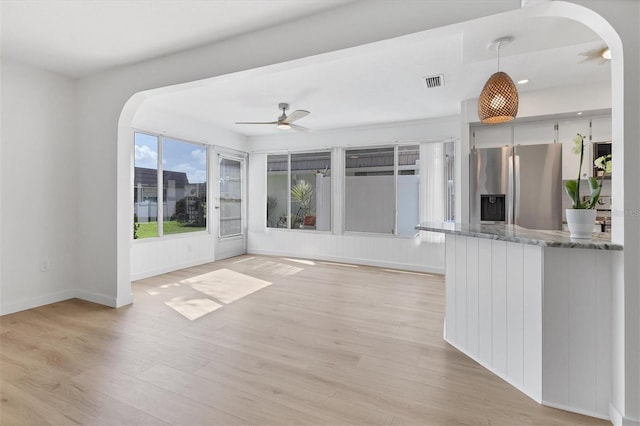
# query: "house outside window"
170,186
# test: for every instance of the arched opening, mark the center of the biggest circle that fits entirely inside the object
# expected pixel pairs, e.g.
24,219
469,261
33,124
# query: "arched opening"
625,387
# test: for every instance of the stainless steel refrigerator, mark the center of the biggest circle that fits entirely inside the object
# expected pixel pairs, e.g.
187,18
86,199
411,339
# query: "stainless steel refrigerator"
519,185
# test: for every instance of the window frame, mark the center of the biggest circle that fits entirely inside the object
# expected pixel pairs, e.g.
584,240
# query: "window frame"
266,190
160,185
243,219
396,169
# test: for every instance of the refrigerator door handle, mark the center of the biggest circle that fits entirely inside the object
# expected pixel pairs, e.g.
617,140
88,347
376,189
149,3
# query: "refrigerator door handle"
516,188
511,193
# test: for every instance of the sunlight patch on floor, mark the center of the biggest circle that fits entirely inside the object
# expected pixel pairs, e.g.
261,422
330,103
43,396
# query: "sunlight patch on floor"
225,285
396,271
192,308
276,268
243,260
303,261
346,265
157,290
197,296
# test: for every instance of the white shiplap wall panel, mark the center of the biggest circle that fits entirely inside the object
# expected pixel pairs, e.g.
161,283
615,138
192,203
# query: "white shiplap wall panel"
499,306
485,309
532,326
461,292
160,255
472,296
577,330
538,317
515,313
603,320
450,288
582,329
555,326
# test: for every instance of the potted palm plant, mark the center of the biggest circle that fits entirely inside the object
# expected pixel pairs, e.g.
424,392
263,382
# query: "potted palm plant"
302,192
581,217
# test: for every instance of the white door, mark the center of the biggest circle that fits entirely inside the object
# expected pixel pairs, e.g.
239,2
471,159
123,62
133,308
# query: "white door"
230,205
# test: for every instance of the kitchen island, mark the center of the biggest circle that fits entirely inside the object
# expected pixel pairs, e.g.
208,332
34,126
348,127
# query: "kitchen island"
534,307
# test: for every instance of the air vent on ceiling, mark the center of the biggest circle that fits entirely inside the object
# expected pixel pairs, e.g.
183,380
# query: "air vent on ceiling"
434,81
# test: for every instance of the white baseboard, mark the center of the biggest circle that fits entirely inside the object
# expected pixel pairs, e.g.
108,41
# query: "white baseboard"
619,420
357,261
597,415
100,299
153,272
60,296
34,302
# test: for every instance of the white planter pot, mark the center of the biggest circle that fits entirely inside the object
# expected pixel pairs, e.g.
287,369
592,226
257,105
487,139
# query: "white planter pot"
581,222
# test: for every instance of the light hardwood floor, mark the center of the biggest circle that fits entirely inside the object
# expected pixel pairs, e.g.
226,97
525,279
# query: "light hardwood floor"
309,343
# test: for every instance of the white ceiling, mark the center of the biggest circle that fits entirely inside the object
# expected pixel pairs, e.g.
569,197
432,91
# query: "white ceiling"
78,37
371,84
383,82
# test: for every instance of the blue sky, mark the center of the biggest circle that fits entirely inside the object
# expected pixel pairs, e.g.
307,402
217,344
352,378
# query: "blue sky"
177,156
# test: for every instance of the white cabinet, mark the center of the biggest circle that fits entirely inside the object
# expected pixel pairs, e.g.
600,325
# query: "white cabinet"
491,136
601,129
567,131
534,133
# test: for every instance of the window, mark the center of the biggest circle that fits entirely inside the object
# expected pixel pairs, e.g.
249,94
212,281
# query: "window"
230,197
170,186
299,191
145,186
382,189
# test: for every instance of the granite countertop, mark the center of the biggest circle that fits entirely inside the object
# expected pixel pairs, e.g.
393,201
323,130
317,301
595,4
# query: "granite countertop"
518,234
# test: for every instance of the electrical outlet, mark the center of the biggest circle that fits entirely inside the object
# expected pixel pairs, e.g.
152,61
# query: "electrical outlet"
44,265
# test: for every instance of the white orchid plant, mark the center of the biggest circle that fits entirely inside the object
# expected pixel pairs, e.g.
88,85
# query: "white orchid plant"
572,187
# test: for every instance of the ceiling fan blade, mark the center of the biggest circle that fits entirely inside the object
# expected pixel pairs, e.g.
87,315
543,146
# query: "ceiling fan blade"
299,128
256,122
296,115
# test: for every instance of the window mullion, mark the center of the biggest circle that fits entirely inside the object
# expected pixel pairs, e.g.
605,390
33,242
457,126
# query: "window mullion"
160,189
395,190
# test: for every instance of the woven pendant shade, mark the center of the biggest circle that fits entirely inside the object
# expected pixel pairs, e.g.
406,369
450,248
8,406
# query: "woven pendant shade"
499,99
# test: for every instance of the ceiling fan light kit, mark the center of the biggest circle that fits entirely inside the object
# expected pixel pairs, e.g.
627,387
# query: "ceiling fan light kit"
284,122
498,102
601,55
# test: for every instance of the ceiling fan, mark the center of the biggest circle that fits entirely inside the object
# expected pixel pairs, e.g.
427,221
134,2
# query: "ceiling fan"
602,55
285,121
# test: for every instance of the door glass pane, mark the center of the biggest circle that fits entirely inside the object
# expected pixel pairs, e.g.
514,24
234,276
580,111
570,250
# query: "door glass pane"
230,197
311,191
408,183
184,192
145,186
277,189
370,190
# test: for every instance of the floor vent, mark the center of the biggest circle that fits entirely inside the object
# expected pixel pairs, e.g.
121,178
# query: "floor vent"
434,81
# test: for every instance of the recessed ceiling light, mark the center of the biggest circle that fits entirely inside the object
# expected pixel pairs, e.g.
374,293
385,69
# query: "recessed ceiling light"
523,81
580,113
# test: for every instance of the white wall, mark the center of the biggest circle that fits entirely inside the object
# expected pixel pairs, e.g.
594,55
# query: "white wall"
39,187
153,256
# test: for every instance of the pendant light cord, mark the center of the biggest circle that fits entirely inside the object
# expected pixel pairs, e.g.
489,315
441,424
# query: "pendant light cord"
499,45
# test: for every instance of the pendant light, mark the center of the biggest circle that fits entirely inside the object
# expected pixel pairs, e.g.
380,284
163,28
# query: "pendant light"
498,101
